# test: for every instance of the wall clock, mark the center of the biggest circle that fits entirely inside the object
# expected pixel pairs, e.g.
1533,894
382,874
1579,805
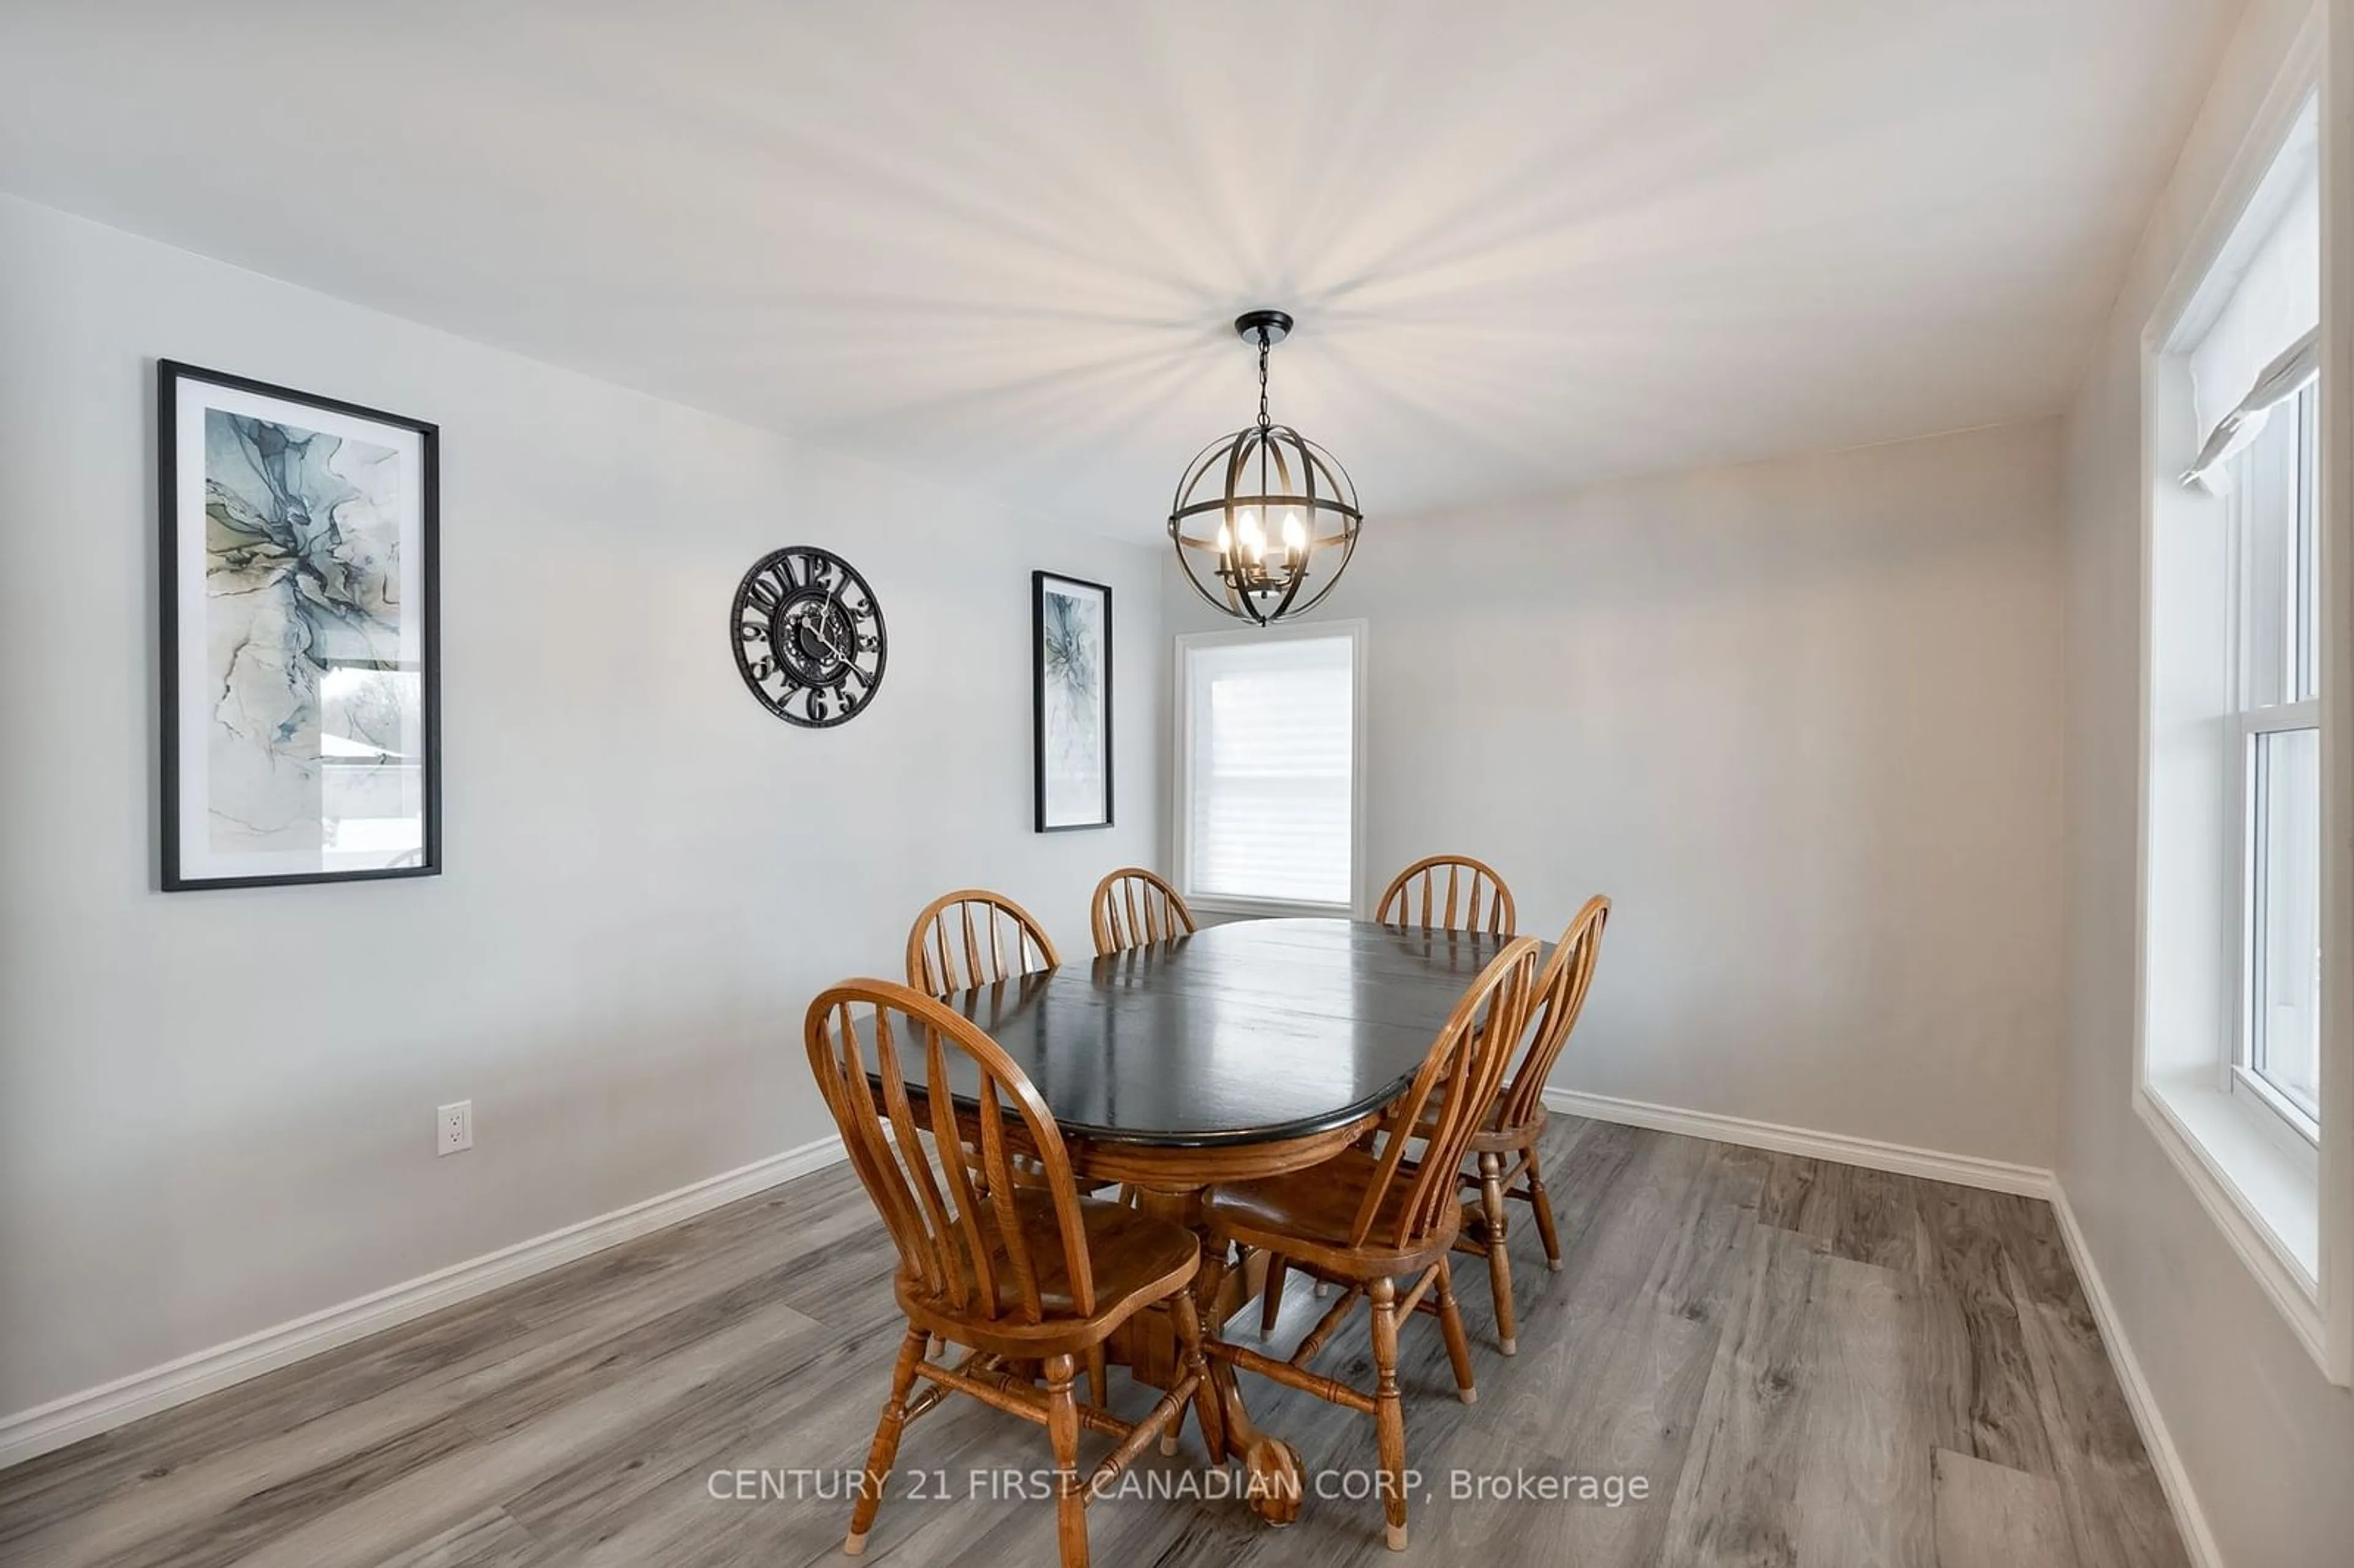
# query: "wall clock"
809,636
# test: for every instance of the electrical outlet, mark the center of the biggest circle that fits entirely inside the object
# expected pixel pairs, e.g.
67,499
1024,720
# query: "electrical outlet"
453,1128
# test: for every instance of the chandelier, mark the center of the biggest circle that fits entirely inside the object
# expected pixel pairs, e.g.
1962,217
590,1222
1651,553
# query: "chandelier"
1265,520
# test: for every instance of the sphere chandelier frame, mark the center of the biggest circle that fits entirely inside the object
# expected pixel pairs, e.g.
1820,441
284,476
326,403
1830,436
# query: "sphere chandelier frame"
1279,510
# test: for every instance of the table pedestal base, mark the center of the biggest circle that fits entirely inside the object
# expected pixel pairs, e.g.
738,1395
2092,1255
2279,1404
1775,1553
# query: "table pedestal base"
1147,1346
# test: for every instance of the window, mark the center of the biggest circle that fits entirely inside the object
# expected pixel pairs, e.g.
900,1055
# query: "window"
2273,485
2229,1037
1270,767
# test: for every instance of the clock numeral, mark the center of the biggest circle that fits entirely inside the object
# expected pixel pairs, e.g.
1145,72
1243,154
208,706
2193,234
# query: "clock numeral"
868,642
752,632
763,591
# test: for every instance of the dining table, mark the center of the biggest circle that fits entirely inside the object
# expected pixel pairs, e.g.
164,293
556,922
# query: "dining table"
1247,1049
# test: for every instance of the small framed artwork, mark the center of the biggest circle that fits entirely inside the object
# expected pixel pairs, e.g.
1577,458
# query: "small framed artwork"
1071,701
300,646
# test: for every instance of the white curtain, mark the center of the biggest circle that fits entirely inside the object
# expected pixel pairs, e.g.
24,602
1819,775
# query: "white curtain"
2263,345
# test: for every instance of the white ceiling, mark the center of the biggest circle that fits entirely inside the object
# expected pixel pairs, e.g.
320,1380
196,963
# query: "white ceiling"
1528,245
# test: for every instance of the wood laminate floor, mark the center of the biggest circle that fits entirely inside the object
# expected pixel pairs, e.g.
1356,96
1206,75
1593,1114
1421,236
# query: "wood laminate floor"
1803,1364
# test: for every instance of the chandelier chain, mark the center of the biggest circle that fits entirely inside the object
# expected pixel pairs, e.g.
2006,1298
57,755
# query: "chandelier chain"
1262,345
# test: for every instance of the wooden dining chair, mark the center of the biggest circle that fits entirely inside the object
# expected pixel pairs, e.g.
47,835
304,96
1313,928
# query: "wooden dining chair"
974,938
1134,908
1515,1124
1369,1216
1015,1272
1448,892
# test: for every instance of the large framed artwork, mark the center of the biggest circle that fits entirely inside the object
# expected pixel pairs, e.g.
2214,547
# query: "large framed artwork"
1071,701
300,650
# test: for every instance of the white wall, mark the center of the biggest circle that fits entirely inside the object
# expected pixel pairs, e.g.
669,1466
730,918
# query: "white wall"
2267,1444
215,1109
1801,721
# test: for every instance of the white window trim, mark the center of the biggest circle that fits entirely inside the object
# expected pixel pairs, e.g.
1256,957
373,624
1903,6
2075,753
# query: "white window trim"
2249,1178
1180,821
2251,1186
2298,1135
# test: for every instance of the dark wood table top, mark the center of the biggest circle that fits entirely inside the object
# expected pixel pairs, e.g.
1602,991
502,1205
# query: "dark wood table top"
1246,1032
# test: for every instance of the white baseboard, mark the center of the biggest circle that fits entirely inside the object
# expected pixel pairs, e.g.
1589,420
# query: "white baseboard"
2196,1538
93,1411
1964,1170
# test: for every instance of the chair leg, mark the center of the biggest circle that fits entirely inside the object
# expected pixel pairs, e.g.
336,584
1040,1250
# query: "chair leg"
1212,1413
1542,1203
1500,1262
1270,1305
1389,1415
1188,1320
1098,1375
1070,1491
880,1457
1459,1344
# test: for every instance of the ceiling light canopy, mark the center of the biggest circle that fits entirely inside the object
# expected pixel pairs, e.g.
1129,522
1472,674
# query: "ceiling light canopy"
1265,520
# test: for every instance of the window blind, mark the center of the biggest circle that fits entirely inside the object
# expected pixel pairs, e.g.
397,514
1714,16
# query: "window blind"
1271,756
2259,344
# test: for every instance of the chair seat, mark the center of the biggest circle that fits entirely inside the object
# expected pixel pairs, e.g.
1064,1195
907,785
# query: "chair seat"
1491,1122
1136,1260
1307,1216
1493,1136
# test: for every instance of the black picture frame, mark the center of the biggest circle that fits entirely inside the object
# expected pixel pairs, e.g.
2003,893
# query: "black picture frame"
176,875
1047,815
